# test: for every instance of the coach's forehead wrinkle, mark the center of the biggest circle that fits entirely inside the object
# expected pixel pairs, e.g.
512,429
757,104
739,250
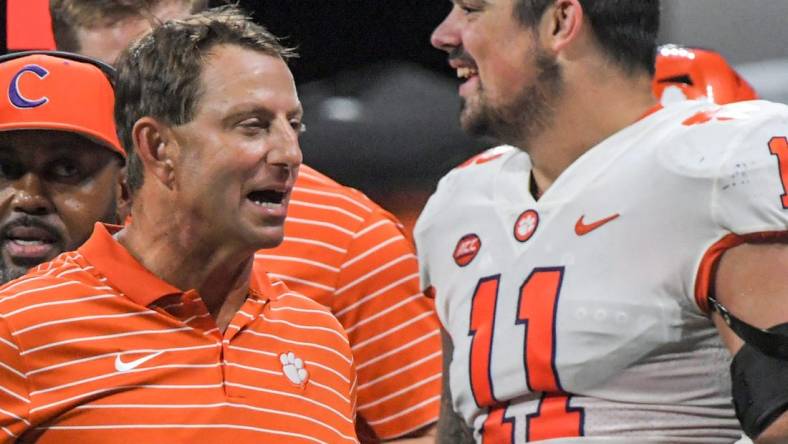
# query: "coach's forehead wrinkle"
225,86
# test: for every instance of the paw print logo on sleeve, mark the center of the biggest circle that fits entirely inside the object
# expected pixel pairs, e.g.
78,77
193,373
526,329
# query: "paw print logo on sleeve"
293,368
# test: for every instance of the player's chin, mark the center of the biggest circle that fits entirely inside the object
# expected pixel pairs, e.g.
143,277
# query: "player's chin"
473,123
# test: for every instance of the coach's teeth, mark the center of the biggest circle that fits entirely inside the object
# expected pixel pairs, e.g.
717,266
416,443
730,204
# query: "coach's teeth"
464,72
267,198
268,204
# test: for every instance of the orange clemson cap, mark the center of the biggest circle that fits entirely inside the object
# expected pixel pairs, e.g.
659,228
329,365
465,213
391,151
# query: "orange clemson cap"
59,91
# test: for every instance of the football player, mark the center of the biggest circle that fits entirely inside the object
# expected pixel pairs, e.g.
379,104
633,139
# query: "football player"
588,272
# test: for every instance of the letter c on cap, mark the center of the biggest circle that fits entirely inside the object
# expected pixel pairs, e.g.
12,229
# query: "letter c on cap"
15,96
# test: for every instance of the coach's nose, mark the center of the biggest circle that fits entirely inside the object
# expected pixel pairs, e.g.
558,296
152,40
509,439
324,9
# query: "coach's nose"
284,148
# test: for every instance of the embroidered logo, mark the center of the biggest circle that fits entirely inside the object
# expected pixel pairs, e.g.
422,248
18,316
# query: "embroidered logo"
525,225
17,98
467,248
582,228
293,368
131,365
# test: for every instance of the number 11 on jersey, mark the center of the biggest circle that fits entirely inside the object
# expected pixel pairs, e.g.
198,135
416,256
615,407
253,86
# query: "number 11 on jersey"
537,306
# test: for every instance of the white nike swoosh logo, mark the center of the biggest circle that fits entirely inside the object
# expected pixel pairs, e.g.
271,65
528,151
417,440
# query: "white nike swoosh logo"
126,366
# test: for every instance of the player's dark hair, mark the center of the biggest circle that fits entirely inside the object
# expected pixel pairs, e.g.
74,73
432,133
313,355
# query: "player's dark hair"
160,75
70,15
626,29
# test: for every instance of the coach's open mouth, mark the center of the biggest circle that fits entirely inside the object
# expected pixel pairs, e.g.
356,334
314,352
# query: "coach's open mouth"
267,198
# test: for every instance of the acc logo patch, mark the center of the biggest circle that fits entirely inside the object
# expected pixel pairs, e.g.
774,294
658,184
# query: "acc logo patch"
467,248
525,225
17,98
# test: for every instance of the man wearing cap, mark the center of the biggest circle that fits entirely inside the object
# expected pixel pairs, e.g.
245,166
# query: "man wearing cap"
60,160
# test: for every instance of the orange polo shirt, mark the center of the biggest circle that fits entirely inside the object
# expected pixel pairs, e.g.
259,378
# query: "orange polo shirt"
346,252
95,348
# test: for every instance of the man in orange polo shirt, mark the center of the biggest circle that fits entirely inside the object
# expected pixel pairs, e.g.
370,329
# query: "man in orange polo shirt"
340,249
159,331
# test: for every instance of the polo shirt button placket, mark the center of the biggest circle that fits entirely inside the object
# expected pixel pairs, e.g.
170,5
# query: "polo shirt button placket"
195,314
247,314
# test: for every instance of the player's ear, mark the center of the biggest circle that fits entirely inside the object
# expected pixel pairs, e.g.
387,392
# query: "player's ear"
157,149
561,24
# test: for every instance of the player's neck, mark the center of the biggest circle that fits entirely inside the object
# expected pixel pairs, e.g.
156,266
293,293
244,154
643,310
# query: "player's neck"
180,253
589,111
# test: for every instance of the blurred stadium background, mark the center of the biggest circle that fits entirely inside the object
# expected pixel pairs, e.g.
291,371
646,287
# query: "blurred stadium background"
381,106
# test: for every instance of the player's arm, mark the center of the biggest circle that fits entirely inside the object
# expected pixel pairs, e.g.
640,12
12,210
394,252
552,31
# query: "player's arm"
451,427
752,283
14,399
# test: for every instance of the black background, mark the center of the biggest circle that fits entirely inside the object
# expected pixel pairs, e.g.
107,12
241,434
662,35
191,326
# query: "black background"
334,35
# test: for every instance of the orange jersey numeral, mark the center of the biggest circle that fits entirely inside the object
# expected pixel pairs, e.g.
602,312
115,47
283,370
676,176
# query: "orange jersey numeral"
537,306
496,428
536,311
481,330
778,146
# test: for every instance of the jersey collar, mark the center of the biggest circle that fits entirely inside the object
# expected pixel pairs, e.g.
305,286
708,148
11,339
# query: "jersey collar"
112,260
124,272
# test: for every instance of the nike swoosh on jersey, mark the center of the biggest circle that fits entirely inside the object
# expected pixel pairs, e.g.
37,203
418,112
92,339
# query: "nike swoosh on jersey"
581,228
126,366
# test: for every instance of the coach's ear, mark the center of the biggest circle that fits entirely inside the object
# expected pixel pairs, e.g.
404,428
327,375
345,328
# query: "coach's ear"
123,196
154,144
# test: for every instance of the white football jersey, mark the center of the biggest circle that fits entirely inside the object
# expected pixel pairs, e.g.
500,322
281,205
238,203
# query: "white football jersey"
582,317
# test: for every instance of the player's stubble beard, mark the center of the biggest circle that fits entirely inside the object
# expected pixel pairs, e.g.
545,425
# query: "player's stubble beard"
524,116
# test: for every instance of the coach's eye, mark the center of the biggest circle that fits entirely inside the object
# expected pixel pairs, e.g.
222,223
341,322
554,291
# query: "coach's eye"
469,7
298,126
253,126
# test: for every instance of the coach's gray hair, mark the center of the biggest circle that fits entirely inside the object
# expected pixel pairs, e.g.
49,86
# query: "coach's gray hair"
159,75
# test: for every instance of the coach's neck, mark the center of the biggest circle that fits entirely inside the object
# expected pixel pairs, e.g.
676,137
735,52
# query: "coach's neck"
180,252
183,252
179,244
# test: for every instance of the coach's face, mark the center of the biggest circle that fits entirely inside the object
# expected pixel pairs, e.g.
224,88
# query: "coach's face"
54,186
239,155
